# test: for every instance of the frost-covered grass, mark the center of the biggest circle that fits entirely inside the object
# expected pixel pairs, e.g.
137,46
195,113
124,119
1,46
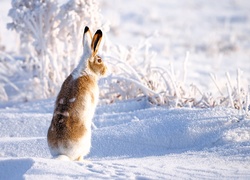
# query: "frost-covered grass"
50,36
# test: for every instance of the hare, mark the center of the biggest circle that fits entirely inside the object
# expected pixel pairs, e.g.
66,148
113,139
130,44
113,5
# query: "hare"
69,135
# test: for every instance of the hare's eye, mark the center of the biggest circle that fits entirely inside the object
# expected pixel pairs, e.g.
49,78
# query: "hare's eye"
99,60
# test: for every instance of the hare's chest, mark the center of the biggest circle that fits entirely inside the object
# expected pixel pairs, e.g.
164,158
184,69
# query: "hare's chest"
90,100
95,95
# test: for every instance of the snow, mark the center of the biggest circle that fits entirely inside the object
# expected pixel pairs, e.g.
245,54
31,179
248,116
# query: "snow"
131,140
134,139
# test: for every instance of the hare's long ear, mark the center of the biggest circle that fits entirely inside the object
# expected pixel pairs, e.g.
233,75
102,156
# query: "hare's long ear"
96,41
86,41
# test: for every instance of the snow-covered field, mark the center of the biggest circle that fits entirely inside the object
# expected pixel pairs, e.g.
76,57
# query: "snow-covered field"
134,139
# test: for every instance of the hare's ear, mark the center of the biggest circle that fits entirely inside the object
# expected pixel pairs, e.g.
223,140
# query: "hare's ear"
86,41
96,41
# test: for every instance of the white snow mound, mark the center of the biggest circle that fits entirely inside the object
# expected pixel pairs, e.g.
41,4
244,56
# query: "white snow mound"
130,136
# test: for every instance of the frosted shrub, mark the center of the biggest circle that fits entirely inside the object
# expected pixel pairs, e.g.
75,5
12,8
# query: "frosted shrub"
128,79
51,36
135,76
34,21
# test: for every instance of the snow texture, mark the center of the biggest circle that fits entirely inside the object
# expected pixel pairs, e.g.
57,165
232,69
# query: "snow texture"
131,140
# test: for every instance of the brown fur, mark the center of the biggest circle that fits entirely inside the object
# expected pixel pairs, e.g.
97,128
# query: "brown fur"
63,128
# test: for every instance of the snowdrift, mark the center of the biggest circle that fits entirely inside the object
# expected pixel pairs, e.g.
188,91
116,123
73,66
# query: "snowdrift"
128,130
159,131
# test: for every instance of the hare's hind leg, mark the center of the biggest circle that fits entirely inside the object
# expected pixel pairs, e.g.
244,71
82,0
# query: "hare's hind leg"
80,158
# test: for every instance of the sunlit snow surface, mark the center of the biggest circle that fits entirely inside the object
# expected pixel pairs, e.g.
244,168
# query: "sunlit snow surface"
132,140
